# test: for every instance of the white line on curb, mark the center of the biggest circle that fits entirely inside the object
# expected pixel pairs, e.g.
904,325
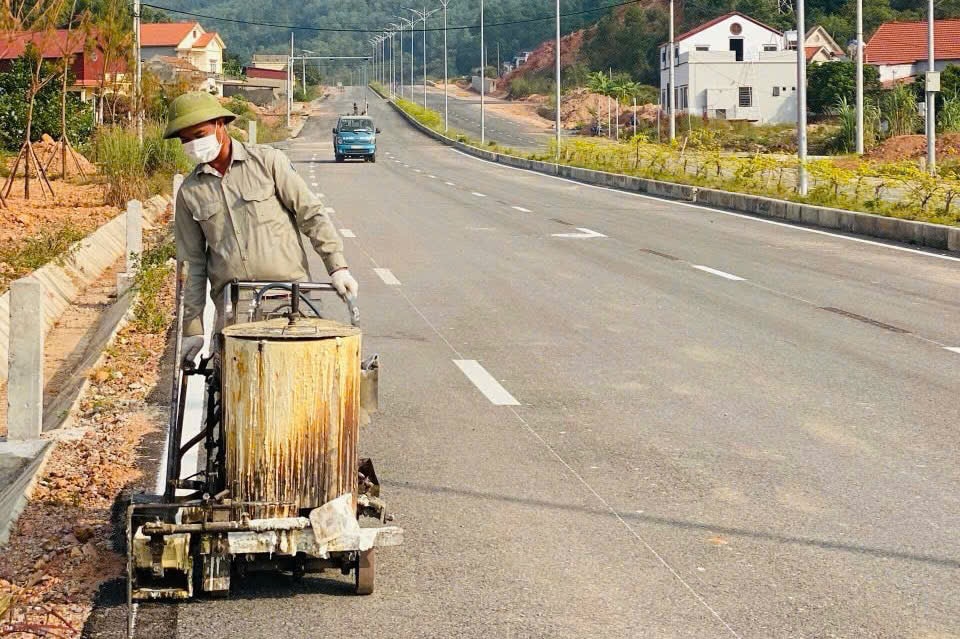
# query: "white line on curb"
953,349
479,194
387,276
713,271
485,383
347,233
522,210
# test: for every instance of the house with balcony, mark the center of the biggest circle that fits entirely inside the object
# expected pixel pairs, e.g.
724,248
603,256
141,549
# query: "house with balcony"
899,49
737,68
187,41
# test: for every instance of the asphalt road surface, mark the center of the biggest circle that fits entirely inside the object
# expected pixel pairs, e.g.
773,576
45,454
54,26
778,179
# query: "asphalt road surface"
465,117
606,415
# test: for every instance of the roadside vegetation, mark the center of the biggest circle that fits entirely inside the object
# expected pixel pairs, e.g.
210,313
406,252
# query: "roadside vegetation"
896,189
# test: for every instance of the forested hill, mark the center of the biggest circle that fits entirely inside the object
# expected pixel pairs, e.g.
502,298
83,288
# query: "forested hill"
376,14
627,38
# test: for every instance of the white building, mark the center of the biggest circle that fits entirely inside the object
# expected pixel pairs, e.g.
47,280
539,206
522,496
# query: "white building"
737,68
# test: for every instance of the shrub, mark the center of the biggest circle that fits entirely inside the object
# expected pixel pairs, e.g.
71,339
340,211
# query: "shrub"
128,167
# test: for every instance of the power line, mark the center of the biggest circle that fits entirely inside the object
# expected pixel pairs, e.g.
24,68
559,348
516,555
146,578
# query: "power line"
291,27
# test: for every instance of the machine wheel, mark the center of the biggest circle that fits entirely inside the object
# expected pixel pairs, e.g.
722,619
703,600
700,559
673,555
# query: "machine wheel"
373,158
365,571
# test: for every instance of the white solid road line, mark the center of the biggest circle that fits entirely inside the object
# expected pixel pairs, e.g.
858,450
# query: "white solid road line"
713,271
479,194
521,209
700,207
584,234
953,349
347,233
387,276
485,383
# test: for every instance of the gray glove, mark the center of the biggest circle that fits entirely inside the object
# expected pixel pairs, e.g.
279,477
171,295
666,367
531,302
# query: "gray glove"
191,347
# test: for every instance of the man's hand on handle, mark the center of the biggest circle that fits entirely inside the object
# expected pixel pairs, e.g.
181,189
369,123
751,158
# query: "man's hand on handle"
344,282
190,348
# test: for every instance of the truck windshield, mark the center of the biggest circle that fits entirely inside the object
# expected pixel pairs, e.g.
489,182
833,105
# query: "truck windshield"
363,124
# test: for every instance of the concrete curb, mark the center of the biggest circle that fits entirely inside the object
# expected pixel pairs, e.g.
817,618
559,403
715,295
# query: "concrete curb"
923,234
15,497
64,279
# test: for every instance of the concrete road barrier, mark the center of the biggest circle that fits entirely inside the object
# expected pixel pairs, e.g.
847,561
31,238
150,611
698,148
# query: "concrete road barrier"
922,234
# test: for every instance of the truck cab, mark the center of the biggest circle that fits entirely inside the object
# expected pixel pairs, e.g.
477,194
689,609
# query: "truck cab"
355,137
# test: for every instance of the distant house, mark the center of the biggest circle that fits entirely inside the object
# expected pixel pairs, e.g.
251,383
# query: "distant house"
188,41
899,49
737,68
269,61
820,46
87,65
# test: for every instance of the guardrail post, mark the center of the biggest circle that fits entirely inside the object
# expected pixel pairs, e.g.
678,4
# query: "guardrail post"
252,131
134,245
25,381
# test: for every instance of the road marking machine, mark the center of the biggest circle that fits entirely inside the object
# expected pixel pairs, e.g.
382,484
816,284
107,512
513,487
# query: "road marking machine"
280,485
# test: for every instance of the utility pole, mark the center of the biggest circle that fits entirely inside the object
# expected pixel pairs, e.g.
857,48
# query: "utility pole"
483,82
859,77
290,82
498,58
425,14
801,100
446,106
671,79
557,81
933,85
138,91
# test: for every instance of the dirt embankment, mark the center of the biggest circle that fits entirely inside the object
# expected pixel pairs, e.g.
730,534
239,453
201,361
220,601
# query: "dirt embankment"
912,147
581,108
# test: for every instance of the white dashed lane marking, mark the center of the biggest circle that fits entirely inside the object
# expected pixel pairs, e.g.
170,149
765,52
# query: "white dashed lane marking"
347,233
387,276
521,209
486,383
713,271
479,194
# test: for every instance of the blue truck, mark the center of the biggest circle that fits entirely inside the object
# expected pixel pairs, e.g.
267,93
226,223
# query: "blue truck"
355,137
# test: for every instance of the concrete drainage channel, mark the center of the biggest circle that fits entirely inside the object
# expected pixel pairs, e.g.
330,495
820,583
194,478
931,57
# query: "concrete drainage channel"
923,234
27,312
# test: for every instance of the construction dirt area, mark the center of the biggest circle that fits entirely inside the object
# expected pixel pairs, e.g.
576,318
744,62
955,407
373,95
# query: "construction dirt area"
913,147
64,545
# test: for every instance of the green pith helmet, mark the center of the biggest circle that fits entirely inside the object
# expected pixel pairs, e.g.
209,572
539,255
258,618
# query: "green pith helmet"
193,108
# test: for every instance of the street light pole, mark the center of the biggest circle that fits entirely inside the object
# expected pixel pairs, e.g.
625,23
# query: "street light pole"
671,80
557,81
483,82
290,77
446,112
801,101
860,148
931,97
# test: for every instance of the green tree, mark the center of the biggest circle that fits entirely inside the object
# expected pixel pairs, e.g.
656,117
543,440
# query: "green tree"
830,82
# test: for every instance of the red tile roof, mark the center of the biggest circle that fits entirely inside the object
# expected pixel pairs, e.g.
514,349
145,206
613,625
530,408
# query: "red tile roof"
204,40
906,42
719,19
271,74
53,44
165,34
812,51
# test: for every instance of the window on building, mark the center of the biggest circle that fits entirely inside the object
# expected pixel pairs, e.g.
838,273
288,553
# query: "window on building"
682,100
746,96
663,56
703,47
769,47
776,92
676,55
213,66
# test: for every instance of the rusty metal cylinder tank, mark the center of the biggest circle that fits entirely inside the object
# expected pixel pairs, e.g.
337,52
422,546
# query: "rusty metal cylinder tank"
291,396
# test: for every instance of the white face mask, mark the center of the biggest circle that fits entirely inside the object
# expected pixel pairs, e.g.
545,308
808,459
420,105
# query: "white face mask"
203,150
